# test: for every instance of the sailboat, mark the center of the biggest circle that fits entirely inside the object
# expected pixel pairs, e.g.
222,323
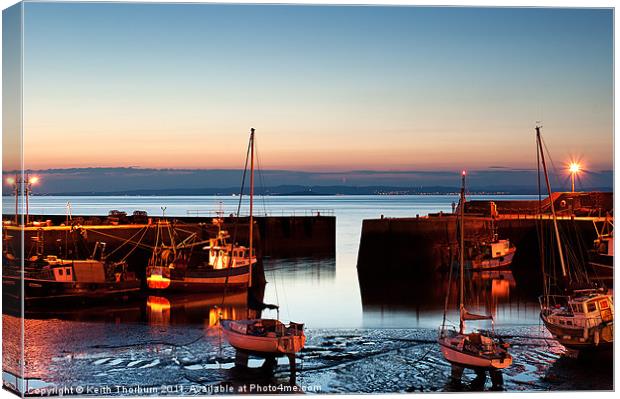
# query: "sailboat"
268,338
578,314
478,350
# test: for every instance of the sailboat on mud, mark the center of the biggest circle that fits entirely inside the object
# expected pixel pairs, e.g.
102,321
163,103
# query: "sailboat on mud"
478,350
267,338
579,314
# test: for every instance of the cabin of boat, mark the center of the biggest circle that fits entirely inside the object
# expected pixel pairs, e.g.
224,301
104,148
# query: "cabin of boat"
264,337
580,321
54,278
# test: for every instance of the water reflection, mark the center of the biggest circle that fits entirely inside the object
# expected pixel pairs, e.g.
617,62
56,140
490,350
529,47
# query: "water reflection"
420,302
197,309
309,270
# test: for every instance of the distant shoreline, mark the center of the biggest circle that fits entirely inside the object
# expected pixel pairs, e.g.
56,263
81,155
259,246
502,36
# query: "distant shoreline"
475,193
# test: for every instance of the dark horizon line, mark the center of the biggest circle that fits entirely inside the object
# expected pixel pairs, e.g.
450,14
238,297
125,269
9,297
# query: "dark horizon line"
293,190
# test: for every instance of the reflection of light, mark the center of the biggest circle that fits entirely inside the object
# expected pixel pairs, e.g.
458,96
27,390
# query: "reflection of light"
33,180
500,289
463,172
158,309
215,315
10,180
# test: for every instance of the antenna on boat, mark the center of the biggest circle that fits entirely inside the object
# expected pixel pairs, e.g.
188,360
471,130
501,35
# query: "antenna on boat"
462,253
555,218
251,244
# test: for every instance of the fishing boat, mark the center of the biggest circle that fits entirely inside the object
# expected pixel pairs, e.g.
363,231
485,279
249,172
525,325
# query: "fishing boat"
495,254
267,338
49,279
478,350
578,313
228,267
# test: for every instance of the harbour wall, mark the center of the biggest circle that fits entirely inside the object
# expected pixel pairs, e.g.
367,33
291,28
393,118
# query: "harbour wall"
274,236
406,250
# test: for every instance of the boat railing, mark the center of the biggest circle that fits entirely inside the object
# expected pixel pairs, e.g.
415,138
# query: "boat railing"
269,213
552,303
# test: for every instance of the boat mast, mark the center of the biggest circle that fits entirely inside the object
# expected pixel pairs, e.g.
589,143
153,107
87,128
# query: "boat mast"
462,254
555,218
251,199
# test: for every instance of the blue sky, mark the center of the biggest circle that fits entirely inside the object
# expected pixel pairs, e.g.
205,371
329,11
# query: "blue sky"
328,88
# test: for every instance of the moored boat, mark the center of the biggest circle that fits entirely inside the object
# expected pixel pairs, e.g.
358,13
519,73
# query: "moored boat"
228,267
578,313
50,279
264,337
496,254
478,350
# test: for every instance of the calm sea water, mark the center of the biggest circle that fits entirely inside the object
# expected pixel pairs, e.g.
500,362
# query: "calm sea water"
321,292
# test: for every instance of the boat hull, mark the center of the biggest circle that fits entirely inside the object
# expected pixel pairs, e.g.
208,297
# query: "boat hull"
261,345
40,292
237,278
466,360
495,263
595,339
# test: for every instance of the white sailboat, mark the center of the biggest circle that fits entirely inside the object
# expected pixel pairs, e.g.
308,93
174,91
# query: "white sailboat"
579,315
268,338
477,350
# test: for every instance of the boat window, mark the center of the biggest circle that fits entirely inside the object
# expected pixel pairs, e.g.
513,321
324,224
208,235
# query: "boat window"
569,322
576,308
561,322
68,272
60,272
591,306
603,304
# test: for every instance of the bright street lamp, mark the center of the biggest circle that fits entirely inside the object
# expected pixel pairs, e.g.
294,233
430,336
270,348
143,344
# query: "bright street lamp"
573,168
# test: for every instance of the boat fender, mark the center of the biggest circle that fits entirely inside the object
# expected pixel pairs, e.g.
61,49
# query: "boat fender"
596,338
585,333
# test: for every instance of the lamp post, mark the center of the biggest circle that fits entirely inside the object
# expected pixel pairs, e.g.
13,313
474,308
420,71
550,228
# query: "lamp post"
573,168
27,184
14,182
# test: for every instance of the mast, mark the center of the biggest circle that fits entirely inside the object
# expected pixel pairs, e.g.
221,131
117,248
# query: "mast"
251,199
555,219
462,254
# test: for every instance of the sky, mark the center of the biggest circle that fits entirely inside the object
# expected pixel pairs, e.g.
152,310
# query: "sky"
327,88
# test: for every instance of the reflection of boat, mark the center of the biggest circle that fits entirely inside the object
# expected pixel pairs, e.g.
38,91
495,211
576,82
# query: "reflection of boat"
52,279
195,309
578,314
478,350
268,338
228,266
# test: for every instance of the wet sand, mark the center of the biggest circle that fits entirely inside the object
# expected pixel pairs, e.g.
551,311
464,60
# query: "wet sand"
145,359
